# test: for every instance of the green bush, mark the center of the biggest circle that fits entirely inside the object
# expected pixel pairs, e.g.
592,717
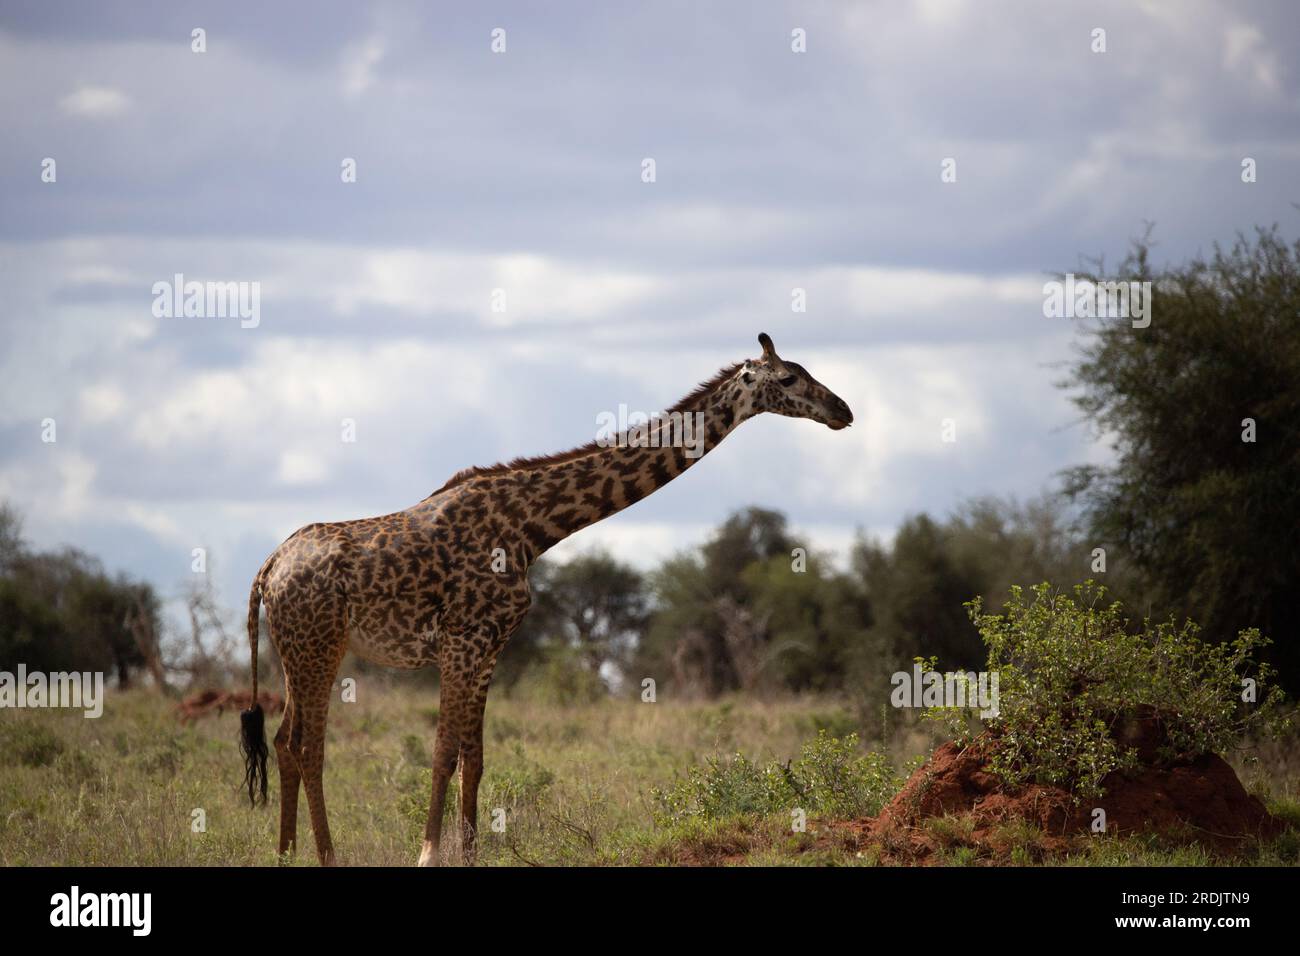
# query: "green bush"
837,723
564,679
519,783
831,777
29,744
835,779
1072,676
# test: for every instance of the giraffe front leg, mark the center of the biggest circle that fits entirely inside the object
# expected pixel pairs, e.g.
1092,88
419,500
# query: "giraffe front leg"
445,750
460,734
471,772
471,763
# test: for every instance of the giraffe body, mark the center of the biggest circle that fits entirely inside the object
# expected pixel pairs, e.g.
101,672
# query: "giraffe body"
445,582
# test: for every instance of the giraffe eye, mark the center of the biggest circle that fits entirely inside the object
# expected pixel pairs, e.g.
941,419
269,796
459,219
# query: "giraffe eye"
789,380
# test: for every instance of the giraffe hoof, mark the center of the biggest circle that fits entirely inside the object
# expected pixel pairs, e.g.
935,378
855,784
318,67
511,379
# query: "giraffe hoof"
428,855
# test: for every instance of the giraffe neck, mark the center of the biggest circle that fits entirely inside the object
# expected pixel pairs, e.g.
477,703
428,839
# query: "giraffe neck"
566,496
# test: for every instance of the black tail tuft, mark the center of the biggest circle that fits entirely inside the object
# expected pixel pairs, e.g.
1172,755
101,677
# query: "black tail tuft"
252,744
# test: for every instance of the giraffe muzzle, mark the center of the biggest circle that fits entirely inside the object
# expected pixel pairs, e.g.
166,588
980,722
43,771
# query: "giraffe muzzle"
841,416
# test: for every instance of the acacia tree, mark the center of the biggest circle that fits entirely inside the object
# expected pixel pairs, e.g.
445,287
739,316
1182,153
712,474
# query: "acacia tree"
1204,410
593,606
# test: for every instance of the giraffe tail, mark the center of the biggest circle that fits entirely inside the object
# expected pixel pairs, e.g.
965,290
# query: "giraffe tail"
252,722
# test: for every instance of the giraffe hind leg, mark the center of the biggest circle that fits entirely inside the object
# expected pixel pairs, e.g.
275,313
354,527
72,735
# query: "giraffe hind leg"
287,743
311,759
310,666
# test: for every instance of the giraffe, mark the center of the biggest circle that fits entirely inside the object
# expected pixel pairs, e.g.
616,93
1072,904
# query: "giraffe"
445,583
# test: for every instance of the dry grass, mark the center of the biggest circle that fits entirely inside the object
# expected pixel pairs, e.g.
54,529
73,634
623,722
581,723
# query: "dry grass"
574,783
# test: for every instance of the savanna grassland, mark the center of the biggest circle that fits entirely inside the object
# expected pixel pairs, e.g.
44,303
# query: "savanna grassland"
607,783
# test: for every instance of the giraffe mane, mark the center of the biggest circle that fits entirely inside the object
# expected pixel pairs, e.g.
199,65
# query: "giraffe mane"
530,463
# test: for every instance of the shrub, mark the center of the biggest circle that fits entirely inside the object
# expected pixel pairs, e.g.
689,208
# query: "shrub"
1072,677
831,776
565,680
30,744
722,788
520,783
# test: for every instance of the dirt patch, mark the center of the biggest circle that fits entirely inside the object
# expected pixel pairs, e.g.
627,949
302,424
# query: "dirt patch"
954,801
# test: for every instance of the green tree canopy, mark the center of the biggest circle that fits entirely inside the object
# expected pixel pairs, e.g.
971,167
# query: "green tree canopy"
1203,407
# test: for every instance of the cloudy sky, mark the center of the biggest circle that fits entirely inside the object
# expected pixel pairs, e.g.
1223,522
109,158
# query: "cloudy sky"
522,171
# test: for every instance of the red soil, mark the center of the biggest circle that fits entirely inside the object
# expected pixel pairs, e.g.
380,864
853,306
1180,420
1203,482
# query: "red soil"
213,701
1200,800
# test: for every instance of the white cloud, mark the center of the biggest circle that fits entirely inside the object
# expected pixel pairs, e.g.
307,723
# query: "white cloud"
948,13
301,468
642,544
95,102
102,403
359,62
158,522
1245,51
74,483
306,388
900,397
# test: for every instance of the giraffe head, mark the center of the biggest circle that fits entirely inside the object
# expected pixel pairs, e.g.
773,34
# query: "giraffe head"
787,389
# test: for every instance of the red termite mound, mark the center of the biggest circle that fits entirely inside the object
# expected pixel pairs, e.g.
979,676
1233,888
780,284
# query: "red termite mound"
1201,799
